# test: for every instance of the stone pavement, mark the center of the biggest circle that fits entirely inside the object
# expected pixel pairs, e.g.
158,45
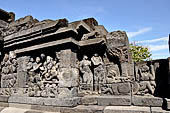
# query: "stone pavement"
89,109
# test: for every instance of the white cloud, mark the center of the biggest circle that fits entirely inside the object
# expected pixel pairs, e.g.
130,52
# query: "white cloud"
155,46
158,47
140,31
155,40
160,55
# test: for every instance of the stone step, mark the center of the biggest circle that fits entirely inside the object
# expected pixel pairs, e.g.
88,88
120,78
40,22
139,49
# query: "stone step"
84,109
104,100
147,101
19,110
133,109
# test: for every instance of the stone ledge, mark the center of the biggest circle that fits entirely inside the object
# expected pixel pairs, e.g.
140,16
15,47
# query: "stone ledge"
61,102
114,100
126,109
4,98
83,109
158,110
167,104
147,101
19,110
89,100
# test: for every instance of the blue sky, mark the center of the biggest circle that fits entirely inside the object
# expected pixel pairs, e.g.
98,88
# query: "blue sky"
145,21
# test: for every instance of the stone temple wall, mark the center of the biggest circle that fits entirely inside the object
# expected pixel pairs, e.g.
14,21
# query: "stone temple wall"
63,64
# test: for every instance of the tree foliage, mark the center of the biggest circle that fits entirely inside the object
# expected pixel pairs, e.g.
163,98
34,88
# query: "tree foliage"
140,53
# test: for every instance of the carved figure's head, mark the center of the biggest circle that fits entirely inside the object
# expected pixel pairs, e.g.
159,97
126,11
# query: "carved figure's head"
85,57
6,57
37,59
144,68
96,55
48,60
12,55
42,55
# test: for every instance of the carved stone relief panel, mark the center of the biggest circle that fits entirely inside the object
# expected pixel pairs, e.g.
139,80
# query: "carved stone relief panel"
145,76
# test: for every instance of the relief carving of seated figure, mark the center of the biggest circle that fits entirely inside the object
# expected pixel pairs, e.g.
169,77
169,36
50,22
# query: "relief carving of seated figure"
147,79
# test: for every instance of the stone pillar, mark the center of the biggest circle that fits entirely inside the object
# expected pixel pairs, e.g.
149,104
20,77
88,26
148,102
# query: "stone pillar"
22,72
68,74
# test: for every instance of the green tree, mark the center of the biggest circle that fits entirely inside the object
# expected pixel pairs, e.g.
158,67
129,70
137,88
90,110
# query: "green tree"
140,53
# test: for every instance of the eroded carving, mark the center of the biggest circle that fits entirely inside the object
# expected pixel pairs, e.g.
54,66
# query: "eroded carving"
146,78
86,71
43,77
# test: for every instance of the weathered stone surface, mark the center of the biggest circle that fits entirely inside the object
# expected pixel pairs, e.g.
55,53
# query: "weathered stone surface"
3,24
158,110
4,98
64,102
114,100
167,104
67,92
126,109
4,104
13,110
45,108
22,106
23,110
83,109
45,65
147,101
89,100
1,108
124,88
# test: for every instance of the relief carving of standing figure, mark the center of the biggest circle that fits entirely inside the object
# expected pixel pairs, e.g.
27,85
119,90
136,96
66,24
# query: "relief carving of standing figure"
85,70
98,69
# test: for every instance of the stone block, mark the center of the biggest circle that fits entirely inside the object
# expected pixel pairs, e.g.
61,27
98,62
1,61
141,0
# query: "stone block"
124,88
126,109
116,88
147,101
45,108
68,92
4,104
22,106
69,77
167,104
34,101
83,109
13,110
65,102
89,100
1,108
15,99
114,100
158,110
4,98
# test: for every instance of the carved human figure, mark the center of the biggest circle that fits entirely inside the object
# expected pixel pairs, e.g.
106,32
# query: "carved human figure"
147,79
48,64
29,65
99,75
111,76
106,89
9,69
85,69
